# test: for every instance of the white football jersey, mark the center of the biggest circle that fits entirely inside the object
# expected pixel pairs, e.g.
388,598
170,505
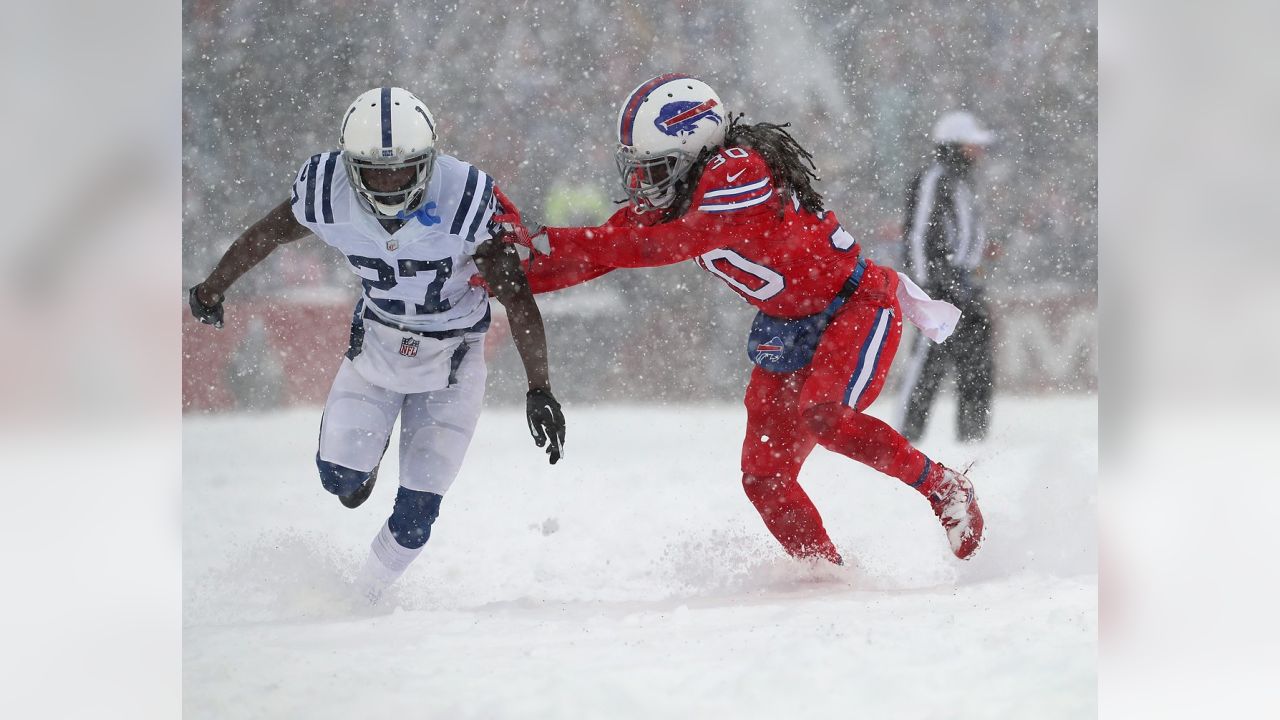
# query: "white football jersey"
419,276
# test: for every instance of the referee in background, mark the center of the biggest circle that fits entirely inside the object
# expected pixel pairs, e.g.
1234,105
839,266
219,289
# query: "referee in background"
945,243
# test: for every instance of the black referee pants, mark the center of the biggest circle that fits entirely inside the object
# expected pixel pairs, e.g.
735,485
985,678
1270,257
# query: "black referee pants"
969,350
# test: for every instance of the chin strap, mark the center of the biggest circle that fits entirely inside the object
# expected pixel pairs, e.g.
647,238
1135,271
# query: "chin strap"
649,205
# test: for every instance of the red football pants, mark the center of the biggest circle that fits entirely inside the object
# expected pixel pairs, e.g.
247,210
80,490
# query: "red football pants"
788,414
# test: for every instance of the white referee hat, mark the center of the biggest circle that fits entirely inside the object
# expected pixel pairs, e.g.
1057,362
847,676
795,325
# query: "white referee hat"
960,127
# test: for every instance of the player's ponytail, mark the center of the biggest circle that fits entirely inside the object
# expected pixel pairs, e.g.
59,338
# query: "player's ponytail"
792,165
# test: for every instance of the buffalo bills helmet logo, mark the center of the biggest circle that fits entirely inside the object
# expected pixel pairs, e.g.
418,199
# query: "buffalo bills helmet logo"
682,117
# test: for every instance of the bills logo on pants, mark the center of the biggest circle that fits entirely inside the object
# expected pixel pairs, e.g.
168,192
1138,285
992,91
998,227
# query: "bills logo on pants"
771,350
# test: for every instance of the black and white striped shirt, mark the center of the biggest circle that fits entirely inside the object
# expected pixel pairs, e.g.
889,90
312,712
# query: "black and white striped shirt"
944,234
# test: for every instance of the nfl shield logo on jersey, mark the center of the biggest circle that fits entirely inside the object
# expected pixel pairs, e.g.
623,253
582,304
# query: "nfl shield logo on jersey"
392,245
409,347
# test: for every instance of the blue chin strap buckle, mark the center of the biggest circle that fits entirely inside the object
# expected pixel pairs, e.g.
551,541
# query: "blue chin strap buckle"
423,214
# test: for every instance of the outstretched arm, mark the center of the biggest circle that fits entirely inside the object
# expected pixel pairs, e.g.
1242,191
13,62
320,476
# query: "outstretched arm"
500,266
548,273
252,247
634,246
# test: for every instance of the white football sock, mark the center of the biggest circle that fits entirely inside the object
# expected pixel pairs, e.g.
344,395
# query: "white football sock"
387,561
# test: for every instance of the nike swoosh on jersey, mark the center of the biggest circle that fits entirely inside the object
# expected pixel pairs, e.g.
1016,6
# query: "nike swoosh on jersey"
737,175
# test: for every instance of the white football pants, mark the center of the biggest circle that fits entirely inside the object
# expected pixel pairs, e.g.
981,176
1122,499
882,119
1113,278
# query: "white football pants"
435,427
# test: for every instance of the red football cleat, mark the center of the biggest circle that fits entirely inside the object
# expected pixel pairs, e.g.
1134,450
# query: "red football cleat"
956,506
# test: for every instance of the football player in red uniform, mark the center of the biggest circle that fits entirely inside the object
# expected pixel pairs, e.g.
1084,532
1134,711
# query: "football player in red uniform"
737,198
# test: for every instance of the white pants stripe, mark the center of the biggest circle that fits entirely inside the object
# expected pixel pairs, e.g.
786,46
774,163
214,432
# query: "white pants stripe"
870,356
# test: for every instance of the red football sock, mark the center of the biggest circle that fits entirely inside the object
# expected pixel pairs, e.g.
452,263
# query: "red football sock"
791,516
871,441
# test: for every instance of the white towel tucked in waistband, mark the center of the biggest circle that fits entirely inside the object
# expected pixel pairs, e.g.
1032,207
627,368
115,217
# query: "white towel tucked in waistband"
935,318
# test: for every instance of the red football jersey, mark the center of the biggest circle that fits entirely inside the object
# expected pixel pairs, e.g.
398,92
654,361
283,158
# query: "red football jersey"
786,261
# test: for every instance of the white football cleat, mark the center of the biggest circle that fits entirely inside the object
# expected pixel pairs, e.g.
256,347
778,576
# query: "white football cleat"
956,506
373,580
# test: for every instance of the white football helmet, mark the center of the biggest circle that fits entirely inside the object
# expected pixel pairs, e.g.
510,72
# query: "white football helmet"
389,129
663,127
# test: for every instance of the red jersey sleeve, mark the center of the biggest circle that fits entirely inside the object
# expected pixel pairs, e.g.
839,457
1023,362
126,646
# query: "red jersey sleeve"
567,265
731,203
557,272
634,245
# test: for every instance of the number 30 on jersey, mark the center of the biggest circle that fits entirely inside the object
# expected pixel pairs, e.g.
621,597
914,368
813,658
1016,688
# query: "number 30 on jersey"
747,278
753,280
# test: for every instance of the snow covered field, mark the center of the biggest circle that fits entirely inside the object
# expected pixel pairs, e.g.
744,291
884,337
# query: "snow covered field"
635,580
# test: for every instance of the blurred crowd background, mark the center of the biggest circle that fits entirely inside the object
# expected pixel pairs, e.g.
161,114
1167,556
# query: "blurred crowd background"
529,92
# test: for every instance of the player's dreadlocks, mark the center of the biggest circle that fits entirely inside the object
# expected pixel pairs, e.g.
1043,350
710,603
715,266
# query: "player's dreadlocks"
792,165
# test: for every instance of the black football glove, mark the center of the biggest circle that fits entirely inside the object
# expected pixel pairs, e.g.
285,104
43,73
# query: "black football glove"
546,422
207,314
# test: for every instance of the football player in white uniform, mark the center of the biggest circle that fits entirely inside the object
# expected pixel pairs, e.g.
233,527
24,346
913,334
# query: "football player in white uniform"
415,226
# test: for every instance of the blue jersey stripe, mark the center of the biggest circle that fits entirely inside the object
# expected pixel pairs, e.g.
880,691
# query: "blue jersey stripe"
356,344
459,217
386,117
728,206
455,361
310,199
928,464
326,204
482,206
737,189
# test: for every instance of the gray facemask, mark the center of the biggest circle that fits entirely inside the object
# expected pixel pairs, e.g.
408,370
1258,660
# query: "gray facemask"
391,204
650,183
